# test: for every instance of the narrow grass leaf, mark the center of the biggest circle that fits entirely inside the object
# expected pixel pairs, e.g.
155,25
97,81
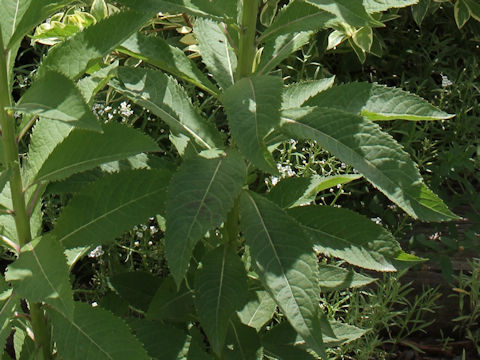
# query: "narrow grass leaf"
95,332
285,263
220,290
258,310
73,56
375,154
296,94
362,243
217,53
252,107
158,52
55,97
378,102
164,97
199,197
333,278
110,206
41,274
84,150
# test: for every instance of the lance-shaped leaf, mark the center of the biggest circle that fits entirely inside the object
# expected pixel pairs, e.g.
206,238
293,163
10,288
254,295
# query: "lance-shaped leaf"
94,333
111,206
252,107
337,278
296,17
375,154
296,94
217,53
167,99
220,290
258,310
375,6
83,150
350,12
243,342
278,48
378,102
296,191
41,274
73,56
55,97
199,197
344,333
362,243
158,52
285,263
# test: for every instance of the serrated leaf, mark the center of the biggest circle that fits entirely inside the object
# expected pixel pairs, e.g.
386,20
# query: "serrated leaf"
137,288
362,243
420,10
217,53
171,304
243,343
285,263
375,6
41,274
278,48
90,85
95,334
258,310
23,345
220,290
297,191
110,206
162,342
55,97
166,99
375,154
344,333
252,107
296,94
84,150
158,52
73,56
199,197
295,17
461,13
334,278
351,12
280,342
377,102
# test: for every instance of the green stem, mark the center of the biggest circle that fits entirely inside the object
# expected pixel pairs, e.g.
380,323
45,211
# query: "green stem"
247,48
22,222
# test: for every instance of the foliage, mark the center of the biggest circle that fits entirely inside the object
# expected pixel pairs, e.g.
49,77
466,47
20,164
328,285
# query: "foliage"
230,246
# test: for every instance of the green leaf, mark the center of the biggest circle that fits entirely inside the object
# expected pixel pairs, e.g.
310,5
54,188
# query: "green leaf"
99,9
279,48
376,6
375,154
296,94
158,52
94,333
217,53
295,17
41,274
461,12
362,243
258,310
363,38
170,304
90,85
137,288
297,191
200,195
474,8
9,303
56,97
420,10
110,206
11,15
268,12
377,102
83,150
243,343
220,290
351,12
73,56
344,334
168,100
4,178
23,344
252,107
285,263
161,341
280,342
334,278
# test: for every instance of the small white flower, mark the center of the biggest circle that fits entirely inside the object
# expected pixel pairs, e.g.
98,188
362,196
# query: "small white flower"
377,220
136,243
97,252
446,81
94,304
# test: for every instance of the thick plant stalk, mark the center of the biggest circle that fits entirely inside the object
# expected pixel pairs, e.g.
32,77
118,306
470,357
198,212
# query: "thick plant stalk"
247,47
22,221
